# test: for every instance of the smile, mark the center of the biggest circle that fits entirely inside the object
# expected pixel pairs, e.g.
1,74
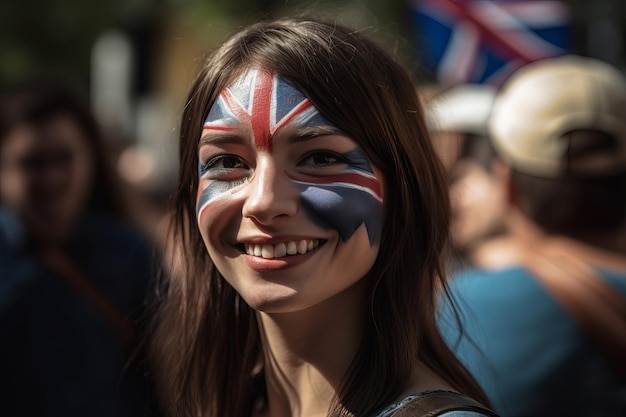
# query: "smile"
298,247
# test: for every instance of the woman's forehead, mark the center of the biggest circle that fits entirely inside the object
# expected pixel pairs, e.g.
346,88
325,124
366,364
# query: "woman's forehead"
266,101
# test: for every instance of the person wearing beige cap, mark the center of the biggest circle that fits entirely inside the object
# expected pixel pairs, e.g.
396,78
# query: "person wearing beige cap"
457,119
544,329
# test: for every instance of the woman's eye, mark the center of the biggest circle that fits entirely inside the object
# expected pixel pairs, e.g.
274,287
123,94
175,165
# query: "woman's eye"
222,164
226,161
323,159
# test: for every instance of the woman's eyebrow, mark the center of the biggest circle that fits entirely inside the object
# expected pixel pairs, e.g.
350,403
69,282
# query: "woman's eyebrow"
221,139
307,133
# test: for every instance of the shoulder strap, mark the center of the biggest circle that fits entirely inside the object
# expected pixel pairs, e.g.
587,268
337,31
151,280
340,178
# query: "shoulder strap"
437,402
588,298
68,271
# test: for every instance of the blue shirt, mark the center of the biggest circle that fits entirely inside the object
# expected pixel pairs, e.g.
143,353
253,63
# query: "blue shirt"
525,350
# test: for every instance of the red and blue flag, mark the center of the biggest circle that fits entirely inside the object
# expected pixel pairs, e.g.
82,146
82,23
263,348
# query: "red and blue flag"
484,41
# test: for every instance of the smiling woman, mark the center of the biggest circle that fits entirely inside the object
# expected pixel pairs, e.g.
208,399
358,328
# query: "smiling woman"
311,217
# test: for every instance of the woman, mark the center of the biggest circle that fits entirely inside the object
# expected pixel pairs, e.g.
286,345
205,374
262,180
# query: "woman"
312,213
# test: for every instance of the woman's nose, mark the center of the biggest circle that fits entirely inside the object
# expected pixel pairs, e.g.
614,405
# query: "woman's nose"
271,195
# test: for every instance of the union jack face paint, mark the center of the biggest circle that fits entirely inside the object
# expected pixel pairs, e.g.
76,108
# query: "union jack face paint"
266,101
342,199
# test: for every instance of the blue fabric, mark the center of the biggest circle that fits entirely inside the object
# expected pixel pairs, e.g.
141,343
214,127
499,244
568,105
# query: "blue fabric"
525,350
58,356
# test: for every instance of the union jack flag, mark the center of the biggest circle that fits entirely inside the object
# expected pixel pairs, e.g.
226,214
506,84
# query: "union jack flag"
484,41
263,99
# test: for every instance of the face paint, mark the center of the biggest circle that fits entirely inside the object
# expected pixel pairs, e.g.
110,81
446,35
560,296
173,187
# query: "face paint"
268,102
264,100
209,192
347,200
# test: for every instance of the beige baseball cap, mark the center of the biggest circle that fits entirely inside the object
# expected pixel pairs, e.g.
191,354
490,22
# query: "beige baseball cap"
544,101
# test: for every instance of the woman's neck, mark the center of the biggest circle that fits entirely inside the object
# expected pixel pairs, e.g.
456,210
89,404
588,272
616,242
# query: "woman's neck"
308,352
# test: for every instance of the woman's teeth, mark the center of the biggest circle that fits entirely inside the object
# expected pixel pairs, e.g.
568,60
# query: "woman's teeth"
282,249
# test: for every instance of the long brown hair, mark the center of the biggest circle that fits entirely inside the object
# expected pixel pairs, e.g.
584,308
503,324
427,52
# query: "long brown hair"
207,345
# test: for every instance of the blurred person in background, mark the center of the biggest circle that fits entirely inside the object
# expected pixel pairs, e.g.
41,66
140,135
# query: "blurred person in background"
74,273
457,119
544,328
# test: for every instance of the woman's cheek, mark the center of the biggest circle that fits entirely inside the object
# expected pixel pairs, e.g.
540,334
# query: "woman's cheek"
346,200
212,191
344,209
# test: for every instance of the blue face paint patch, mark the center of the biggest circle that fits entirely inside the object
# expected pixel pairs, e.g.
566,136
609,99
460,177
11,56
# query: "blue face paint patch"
345,201
343,209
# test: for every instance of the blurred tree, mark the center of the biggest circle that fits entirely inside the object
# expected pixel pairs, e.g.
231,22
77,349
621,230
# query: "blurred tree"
42,36
57,35
387,19
598,29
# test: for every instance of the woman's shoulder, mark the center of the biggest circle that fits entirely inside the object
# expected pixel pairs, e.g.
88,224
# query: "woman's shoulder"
436,403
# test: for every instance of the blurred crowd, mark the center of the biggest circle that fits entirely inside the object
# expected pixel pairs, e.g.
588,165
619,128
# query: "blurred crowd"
538,267
537,172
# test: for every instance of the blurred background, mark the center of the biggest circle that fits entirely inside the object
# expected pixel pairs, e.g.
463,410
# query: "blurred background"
136,58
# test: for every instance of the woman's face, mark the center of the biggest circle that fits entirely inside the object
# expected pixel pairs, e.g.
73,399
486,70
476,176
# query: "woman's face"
289,208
